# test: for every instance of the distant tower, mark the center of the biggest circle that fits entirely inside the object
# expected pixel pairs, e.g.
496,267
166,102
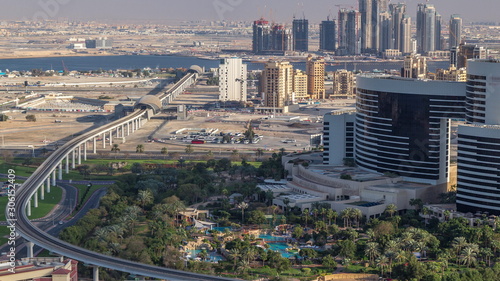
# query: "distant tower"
398,11
455,30
428,28
328,35
349,22
300,35
370,10
261,40
232,80
281,38
315,70
405,43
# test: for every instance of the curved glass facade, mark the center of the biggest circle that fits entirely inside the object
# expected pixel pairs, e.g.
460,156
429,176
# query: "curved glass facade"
402,131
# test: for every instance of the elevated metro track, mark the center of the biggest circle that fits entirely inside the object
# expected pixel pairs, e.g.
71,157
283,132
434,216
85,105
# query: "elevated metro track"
35,235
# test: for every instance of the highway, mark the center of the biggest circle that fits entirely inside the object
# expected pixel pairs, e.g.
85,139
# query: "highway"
32,233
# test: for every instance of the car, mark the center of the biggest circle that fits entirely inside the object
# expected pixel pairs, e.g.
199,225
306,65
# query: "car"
61,222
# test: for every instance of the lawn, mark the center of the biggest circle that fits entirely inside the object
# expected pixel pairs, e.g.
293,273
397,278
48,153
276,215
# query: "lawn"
82,188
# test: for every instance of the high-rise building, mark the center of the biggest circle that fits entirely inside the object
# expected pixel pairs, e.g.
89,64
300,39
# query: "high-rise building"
405,43
349,22
403,126
277,84
370,23
397,11
261,40
315,70
428,28
385,32
414,67
461,53
343,84
478,163
300,35
328,35
300,85
281,38
455,31
232,80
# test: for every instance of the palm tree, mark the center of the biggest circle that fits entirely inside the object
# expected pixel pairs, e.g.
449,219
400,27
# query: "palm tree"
468,255
331,215
145,197
357,215
458,243
372,251
164,151
139,148
259,153
346,215
115,148
391,209
382,262
235,254
306,215
242,206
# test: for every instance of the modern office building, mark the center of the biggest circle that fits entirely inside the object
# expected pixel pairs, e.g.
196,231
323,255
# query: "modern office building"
405,43
455,29
478,188
338,136
315,70
232,80
428,28
414,67
328,36
300,28
300,85
385,32
349,22
403,126
343,84
277,84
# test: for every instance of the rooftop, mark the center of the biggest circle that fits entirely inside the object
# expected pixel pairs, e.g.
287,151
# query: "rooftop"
356,174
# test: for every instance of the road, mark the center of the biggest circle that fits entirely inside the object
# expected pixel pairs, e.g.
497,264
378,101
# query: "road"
31,232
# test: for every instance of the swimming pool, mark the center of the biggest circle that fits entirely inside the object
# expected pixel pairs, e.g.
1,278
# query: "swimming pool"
266,237
281,248
212,257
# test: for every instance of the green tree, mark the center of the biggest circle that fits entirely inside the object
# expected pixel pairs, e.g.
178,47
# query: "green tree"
372,251
3,117
164,151
242,206
391,209
139,148
259,153
189,149
31,118
257,217
249,133
347,249
329,262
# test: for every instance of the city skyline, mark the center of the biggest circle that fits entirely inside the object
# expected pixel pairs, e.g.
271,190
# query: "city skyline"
278,10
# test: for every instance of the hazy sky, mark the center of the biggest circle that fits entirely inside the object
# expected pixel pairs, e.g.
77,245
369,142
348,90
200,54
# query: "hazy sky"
277,10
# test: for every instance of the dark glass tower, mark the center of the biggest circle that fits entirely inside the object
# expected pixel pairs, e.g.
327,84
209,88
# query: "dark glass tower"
328,35
301,35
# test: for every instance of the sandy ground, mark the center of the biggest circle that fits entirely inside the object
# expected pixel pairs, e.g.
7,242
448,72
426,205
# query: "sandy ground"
19,134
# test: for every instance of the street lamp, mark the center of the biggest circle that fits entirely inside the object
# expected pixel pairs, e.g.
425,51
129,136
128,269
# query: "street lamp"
32,150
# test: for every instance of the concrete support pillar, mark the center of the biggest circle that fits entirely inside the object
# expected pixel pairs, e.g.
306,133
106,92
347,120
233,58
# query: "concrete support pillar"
60,171
35,199
42,192
73,159
123,130
54,177
128,128
28,208
67,164
104,140
29,248
110,137
94,148
79,155
48,184
85,152
96,273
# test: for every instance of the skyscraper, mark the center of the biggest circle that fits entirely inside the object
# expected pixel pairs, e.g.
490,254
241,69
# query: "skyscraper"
281,38
428,28
398,11
370,11
405,44
315,70
261,40
403,126
349,22
232,80
455,30
343,84
328,35
277,83
478,163
301,35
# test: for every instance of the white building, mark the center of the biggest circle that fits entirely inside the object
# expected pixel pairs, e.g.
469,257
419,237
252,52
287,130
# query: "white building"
232,80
